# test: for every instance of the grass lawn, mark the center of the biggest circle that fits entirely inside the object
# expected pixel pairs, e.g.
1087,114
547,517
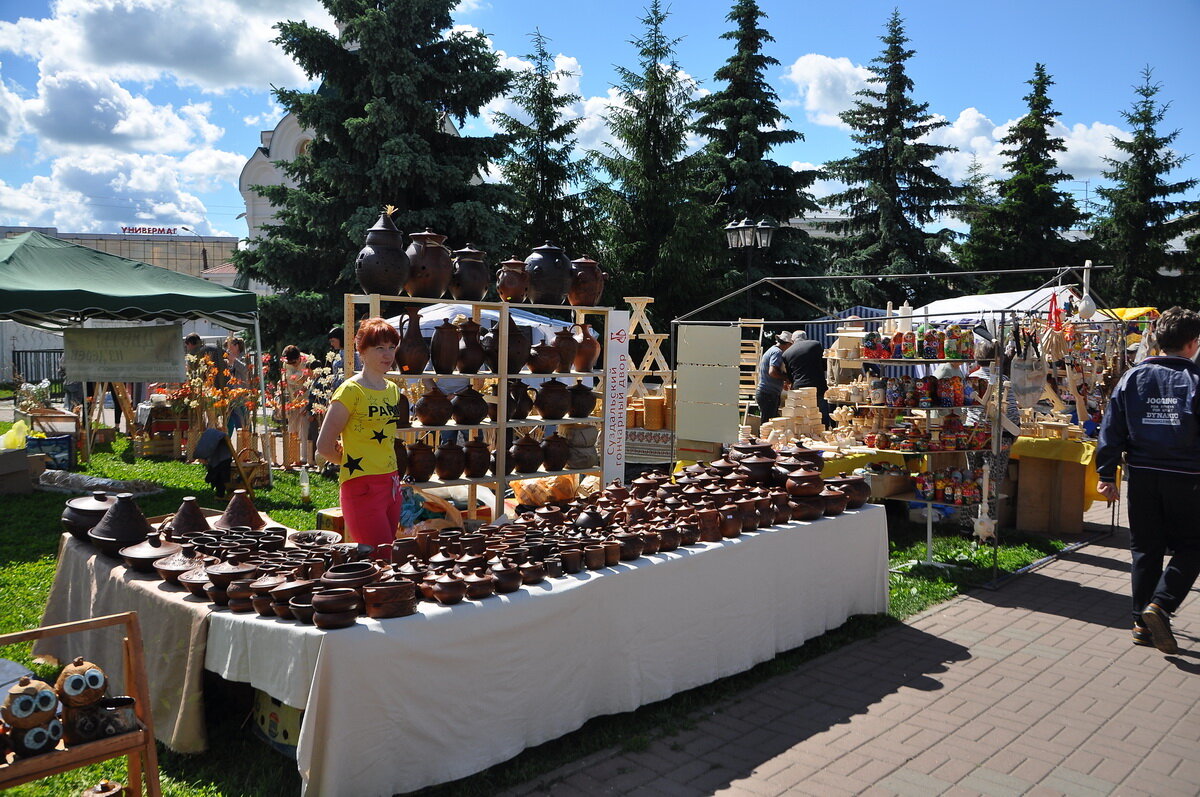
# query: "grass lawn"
237,764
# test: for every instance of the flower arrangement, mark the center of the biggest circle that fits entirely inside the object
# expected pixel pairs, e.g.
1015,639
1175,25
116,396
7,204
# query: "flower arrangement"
31,397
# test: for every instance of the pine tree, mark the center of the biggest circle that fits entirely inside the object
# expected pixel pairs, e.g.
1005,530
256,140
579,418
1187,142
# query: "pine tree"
657,236
390,84
1140,216
1024,229
742,124
893,190
540,167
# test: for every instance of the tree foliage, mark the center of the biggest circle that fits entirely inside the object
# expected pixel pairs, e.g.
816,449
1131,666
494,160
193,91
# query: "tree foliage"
1024,228
893,190
1143,211
540,165
742,123
655,231
391,83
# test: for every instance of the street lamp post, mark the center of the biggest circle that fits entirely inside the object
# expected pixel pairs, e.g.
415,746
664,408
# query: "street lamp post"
203,249
748,236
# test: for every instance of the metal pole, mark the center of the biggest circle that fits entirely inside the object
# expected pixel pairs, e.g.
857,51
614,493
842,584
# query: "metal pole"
262,401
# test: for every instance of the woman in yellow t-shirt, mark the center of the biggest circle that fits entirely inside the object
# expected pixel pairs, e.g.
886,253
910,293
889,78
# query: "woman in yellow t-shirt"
358,433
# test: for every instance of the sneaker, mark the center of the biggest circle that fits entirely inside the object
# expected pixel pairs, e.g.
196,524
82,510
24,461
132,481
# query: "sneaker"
1141,636
1158,623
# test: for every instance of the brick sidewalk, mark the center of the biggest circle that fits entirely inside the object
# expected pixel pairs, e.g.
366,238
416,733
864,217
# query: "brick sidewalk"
1034,688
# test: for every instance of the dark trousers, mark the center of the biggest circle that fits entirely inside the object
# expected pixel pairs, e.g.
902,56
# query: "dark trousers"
768,404
1164,512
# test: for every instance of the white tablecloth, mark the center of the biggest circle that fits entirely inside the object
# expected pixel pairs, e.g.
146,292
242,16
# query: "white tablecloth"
396,705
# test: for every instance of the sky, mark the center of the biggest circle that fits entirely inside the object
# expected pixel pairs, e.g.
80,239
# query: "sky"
143,112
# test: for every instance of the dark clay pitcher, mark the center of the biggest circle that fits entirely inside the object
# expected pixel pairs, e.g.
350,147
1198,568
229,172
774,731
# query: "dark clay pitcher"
470,348
443,348
429,265
469,280
382,266
512,281
413,352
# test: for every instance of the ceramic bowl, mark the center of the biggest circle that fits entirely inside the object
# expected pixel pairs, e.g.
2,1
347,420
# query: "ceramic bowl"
337,600
328,621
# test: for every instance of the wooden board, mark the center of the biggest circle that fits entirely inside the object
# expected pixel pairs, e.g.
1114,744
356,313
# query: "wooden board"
1050,496
709,345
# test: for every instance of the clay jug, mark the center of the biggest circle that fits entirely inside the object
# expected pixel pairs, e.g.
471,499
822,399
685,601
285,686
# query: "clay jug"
543,359
520,400
413,352
402,413
429,265
382,266
549,273
525,454
583,400
553,400
433,408
587,283
449,461
512,281
555,451
443,348
588,352
518,348
470,349
401,456
566,346
478,458
421,461
468,406
469,280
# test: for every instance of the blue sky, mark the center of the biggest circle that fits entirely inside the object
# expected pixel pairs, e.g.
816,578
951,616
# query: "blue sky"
139,112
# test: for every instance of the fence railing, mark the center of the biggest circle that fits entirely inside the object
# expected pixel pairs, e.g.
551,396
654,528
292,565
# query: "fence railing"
34,366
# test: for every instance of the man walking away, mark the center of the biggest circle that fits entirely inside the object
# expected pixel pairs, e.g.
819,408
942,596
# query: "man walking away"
1153,418
770,377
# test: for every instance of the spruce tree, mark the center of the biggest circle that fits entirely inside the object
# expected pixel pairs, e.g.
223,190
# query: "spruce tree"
545,204
658,237
1140,215
742,124
892,191
1024,229
390,85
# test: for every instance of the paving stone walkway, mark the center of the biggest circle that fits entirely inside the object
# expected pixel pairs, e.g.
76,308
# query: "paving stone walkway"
1034,688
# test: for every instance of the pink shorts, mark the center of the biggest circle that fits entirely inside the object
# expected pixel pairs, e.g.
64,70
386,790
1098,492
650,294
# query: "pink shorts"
371,508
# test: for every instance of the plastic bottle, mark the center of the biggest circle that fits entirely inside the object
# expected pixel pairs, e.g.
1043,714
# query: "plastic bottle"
305,488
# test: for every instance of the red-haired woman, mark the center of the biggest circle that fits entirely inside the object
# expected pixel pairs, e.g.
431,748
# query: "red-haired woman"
358,433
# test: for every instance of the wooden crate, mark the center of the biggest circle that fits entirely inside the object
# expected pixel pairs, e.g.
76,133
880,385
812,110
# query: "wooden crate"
153,447
50,421
1050,496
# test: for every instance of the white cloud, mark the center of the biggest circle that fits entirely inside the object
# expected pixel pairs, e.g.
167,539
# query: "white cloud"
12,118
470,6
1087,146
215,46
820,188
267,119
825,86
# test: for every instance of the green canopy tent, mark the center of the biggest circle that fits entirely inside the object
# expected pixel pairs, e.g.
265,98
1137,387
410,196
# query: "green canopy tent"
52,284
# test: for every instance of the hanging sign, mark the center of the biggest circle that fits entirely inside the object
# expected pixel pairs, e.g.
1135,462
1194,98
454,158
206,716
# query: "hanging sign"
616,378
124,354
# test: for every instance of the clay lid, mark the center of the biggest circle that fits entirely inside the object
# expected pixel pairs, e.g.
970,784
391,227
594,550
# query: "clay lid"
151,548
98,501
427,238
240,512
585,261
512,263
832,492
231,567
188,517
197,574
123,522
469,252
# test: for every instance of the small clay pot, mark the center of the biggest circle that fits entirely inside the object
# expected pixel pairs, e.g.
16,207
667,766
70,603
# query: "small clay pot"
81,514
302,609
264,605
332,601
329,621
593,557
835,501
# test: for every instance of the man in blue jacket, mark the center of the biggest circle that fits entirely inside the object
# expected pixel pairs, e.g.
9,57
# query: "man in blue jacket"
1153,418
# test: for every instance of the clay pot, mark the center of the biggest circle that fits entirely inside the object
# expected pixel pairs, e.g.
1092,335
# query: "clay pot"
469,280
730,520
543,359
632,545
555,452
470,348
507,576
81,514
338,599
804,483
520,400
549,273
519,341
170,568
142,556
292,588
572,560
749,512
396,599
353,575
222,573
835,501
553,400
480,585
757,468
381,265
587,283
302,608
468,406
331,621
533,573
566,346
421,461
651,540
477,458
449,461
583,400
433,408
413,352
443,347
448,589
592,518
807,508
122,525
593,556
588,352
855,487
525,454
264,605
189,517
512,281
670,536
430,266
748,448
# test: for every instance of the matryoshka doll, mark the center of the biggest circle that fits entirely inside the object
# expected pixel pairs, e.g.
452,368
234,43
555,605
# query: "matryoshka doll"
29,709
908,348
870,346
966,345
909,387
898,346
926,391
885,347
929,345
894,397
953,334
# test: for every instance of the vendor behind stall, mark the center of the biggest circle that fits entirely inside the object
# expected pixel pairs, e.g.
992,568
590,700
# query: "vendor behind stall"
359,432
771,376
804,364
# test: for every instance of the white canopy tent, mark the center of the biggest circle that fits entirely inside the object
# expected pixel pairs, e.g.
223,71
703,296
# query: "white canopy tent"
974,308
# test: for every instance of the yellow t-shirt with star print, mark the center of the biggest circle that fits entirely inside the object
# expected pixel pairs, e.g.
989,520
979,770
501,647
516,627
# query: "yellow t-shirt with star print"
368,447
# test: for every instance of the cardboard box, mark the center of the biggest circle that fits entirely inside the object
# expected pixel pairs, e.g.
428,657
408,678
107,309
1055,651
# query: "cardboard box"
36,464
277,723
888,484
14,460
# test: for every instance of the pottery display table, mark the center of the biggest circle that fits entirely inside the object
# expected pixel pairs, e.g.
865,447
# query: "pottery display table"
396,705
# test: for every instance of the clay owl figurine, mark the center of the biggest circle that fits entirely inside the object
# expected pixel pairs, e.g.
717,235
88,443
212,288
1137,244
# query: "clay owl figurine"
29,709
87,714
